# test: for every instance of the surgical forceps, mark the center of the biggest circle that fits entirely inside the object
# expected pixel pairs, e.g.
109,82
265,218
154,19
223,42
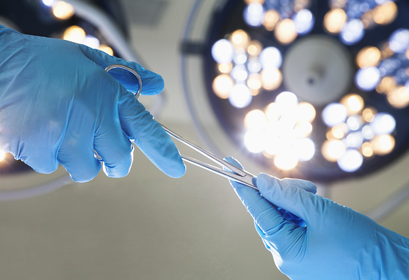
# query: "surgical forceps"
234,173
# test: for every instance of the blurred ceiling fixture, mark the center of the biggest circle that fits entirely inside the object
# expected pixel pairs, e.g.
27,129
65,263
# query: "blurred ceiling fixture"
314,89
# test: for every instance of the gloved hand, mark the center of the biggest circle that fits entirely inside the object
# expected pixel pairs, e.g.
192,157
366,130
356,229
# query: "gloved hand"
58,104
336,243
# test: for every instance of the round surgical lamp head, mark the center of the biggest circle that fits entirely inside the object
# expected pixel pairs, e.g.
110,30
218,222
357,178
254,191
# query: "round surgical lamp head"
325,98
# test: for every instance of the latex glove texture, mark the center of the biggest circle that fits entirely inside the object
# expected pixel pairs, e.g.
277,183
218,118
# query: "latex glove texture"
58,105
336,243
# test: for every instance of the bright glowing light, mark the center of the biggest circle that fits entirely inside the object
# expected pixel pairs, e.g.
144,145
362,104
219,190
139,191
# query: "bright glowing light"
253,14
240,96
367,78
339,131
352,32
303,129
225,67
367,149
305,112
285,31
273,129
368,114
271,78
354,140
254,81
240,57
239,73
74,34
332,150
288,117
223,51
399,40
248,2
386,84
383,123
288,137
368,56
304,21
106,49
399,97
2,155
48,3
271,17
385,13
91,42
287,101
305,149
273,111
382,144
335,20
270,58
350,161
353,103
367,132
254,48
63,10
272,146
255,140
240,39
222,85
354,122
254,65
333,114
286,159
255,119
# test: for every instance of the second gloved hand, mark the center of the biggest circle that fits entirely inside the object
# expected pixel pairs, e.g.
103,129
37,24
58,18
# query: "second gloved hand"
58,105
336,242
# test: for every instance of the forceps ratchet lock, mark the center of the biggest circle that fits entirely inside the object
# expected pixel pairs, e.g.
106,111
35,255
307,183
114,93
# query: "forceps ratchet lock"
234,173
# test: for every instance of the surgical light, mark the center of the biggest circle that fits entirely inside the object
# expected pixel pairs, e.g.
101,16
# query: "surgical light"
353,103
286,160
62,10
240,39
74,34
240,96
332,150
225,67
303,129
222,85
367,78
352,32
305,149
254,48
223,51
106,49
254,81
270,58
367,150
285,31
271,18
399,40
271,78
255,119
272,111
287,101
333,114
399,97
91,41
383,123
2,155
368,56
305,112
304,21
350,161
253,14
335,20
382,144
385,13
48,3
255,140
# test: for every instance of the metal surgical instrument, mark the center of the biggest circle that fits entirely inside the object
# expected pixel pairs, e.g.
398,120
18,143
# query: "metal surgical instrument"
234,173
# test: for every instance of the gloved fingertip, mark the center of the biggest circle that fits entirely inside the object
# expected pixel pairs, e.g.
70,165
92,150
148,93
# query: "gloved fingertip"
152,84
176,170
233,161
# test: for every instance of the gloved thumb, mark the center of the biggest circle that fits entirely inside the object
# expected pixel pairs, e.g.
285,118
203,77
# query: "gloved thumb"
152,83
294,195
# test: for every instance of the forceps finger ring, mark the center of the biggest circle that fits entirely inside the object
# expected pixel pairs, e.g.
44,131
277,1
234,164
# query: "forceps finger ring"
115,66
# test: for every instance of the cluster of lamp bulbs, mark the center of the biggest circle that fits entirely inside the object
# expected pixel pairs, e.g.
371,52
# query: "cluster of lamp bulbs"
64,11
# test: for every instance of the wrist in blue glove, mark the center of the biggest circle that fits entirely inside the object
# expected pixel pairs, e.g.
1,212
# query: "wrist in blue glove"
336,241
58,105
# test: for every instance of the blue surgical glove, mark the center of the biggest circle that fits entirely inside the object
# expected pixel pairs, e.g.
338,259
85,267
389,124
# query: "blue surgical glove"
337,242
58,105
